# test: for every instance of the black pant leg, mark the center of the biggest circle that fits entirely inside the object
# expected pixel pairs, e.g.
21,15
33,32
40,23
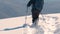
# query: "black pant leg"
35,15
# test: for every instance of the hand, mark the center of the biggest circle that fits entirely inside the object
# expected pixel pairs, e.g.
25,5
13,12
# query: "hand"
28,5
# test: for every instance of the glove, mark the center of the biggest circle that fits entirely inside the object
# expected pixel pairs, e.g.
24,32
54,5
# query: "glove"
29,4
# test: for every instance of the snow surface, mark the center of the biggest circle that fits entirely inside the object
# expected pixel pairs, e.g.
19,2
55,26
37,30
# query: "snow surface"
48,24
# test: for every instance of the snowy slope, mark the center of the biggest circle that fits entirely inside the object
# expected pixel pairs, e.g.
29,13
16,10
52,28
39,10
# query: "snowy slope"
49,25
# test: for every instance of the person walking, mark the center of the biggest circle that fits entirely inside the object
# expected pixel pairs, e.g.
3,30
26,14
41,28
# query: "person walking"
37,6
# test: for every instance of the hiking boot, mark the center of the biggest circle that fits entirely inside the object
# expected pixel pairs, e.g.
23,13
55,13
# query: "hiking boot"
35,23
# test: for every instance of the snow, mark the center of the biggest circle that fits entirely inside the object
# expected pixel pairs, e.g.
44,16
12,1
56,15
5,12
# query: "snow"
51,25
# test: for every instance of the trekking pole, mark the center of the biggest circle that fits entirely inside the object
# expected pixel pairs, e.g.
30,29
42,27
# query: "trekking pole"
25,24
26,15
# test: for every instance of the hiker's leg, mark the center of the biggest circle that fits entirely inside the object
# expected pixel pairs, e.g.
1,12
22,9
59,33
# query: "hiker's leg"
35,15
